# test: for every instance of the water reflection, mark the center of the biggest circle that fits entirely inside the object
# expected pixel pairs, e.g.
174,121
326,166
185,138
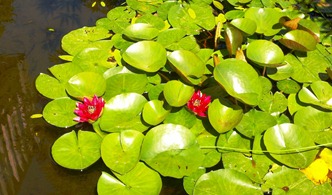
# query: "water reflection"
28,47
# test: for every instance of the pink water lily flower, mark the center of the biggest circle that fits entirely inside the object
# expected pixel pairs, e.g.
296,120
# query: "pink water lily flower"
89,110
199,103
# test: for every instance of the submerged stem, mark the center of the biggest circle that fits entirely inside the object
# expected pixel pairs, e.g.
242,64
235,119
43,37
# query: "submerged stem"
287,151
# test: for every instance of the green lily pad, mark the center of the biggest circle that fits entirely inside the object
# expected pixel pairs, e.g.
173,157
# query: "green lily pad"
212,156
123,112
239,79
172,150
320,94
63,72
139,181
299,40
265,53
189,181
79,39
188,65
125,82
86,84
177,93
286,180
120,18
288,86
141,31
93,59
227,181
255,122
148,56
233,37
50,87
312,119
246,25
154,112
77,151
181,116
280,72
289,136
120,151
273,103
223,115
60,112
267,20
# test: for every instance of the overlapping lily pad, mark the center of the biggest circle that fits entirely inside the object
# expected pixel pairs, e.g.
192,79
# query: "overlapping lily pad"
77,151
240,80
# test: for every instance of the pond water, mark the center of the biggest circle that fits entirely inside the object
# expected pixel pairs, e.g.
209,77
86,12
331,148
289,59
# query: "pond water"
30,37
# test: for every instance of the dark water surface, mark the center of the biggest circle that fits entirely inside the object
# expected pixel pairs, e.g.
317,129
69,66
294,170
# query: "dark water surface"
29,46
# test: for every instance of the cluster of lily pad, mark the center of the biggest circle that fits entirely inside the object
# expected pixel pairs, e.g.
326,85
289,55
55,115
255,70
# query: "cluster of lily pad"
231,96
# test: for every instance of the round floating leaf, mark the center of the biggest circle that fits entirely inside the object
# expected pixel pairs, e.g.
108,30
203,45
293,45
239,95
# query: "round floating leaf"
265,53
255,123
246,25
299,40
141,31
233,37
267,20
313,119
239,79
181,116
288,86
177,93
188,65
154,112
50,87
311,27
280,72
79,39
172,150
227,181
189,181
224,116
148,56
63,72
120,151
320,94
273,103
77,151
139,181
60,112
94,59
212,156
125,83
123,112
86,84
289,136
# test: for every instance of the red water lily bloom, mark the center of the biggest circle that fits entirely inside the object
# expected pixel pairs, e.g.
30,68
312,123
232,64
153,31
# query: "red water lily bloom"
199,103
89,110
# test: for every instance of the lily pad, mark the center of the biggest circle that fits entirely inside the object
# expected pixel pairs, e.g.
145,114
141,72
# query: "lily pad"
267,20
79,39
50,87
77,151
320,94
223,115
154,112
120,151
123,112
177,93
60,112
246,25
86,84
172,150
141,31
265,53
148,56
288,86
286,137
312,119
188,65
299,40
239,79
227,181
139,181
233,37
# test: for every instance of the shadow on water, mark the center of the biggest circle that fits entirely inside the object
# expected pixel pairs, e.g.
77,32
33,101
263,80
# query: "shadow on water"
30,37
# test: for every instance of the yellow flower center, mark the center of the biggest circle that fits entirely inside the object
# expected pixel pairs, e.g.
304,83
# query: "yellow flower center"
91,109
197,103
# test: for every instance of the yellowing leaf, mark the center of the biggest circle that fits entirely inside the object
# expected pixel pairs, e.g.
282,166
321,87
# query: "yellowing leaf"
192,13
326,155
317,171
